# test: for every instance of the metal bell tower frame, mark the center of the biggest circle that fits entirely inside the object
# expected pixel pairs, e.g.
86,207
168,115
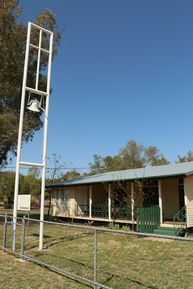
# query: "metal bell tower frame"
39,93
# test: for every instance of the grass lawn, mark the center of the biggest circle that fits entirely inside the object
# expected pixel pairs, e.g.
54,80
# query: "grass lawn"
26,275
122,261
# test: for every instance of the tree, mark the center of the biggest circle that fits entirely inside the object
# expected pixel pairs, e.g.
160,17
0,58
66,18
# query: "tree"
7,180
29,184
132,155
34,171
58,166
153,157
12,54
186,158
108,163
70,175
124,201
98,165
55,174
112,163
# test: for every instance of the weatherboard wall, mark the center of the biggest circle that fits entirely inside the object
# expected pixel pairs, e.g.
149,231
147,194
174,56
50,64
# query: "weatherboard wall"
63,202
170,198
188,191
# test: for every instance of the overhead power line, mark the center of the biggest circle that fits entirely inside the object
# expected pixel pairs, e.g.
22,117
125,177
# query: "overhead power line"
61,168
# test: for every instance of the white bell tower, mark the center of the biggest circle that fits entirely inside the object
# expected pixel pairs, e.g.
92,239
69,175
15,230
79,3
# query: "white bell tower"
35,106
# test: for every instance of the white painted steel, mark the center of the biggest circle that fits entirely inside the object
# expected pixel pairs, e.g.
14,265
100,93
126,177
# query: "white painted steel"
36,91
37,47
109,201
160,200
40,28
90,201
132,202
38,60
16,190
46,95
30,164
45,144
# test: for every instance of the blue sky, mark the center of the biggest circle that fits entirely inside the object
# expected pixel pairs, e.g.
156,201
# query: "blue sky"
124,70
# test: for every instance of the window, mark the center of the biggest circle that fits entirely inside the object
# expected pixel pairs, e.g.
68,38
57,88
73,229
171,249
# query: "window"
58,198
151,195
66,198
181,192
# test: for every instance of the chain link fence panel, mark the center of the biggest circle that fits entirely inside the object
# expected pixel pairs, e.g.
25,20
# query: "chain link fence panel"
101,257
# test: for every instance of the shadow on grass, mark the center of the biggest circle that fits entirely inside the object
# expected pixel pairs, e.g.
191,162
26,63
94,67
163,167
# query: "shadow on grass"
37,235
48,244
113,276
71,262
69,238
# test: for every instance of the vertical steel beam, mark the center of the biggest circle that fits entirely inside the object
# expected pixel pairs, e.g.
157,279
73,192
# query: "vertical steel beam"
90,202
109,201
16,190
132,202
95,259
23,238
45,136
38,60
160,201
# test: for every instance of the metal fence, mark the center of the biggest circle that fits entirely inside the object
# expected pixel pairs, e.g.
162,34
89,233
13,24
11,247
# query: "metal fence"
101,211
97,257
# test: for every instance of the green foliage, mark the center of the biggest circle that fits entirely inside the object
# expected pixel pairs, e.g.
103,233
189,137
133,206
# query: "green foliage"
67,176
153,157
29,184
125,228
12,54
71,175
7,181
186,158
113,226
90,223
131,156
34,171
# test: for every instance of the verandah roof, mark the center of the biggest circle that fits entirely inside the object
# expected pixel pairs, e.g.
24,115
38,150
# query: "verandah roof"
178,169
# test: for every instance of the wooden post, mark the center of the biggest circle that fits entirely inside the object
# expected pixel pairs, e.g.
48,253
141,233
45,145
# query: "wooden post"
160,201
90,202
109,201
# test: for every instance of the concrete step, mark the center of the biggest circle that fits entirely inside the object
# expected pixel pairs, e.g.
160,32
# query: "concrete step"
167,231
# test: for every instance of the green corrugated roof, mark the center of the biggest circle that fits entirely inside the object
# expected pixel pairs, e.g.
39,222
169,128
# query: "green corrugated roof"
131,174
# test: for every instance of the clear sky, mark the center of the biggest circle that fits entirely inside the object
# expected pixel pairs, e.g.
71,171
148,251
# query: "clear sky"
124,70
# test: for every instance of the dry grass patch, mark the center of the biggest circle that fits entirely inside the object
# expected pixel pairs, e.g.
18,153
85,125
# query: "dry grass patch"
123,261
26,275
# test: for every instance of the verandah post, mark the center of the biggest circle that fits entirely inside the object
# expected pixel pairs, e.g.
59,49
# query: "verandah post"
109,201
90,202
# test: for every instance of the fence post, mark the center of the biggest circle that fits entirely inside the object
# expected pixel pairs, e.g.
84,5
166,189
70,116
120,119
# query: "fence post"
5,233
28,223
13,224
23,237
95,259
